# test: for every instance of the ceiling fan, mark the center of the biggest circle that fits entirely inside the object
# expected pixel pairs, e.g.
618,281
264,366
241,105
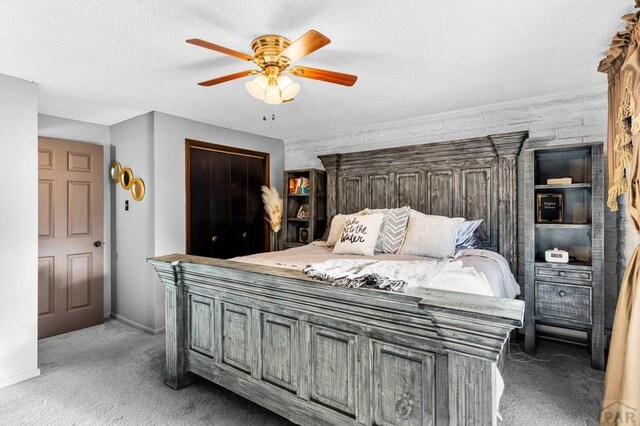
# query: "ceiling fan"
274,55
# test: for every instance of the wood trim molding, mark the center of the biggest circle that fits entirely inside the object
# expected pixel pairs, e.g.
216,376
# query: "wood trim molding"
194,144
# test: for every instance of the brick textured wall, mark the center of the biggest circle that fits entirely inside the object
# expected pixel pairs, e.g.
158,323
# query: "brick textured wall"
565,118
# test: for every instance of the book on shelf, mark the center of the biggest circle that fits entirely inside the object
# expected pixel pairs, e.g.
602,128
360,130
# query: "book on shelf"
299,186
560,181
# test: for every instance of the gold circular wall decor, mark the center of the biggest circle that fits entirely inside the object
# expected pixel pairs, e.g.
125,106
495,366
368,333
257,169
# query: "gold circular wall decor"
115,171
137,189
126,178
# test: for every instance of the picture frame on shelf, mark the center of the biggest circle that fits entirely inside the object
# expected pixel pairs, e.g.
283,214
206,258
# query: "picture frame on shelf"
303,235
550,208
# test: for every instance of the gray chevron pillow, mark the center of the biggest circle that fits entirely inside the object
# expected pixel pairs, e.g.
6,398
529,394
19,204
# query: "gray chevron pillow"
394,227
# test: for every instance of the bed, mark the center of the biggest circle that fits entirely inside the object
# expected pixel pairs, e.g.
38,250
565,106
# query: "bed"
320,354
484,266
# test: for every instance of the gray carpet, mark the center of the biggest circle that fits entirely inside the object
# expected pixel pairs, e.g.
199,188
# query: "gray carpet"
112,374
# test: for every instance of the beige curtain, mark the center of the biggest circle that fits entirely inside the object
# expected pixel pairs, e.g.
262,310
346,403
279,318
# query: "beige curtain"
621,403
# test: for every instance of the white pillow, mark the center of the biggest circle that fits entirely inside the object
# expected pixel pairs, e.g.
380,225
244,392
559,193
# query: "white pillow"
431,236
359,235
337,226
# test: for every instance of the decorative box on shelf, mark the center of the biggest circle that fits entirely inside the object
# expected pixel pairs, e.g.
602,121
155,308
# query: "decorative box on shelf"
305,206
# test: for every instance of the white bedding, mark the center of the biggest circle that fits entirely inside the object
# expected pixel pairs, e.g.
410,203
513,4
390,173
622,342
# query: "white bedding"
472,271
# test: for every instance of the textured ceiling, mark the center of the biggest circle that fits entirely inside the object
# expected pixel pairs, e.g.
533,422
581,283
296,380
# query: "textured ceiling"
106,61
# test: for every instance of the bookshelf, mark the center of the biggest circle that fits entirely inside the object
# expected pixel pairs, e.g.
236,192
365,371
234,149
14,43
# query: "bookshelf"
304,191
565,296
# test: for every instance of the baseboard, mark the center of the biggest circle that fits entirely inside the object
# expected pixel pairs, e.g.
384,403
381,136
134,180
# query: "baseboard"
19,378
106,316
134,324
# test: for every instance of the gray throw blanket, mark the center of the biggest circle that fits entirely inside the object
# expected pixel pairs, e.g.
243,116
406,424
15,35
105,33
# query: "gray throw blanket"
383,275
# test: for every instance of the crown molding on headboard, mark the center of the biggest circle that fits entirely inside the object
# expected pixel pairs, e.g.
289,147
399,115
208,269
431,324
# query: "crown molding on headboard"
475,178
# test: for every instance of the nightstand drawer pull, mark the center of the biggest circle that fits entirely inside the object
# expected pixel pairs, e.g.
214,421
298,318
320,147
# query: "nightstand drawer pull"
562,293
574,274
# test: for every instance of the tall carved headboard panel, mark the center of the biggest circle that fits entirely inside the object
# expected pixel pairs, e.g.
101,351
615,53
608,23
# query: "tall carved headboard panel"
472,178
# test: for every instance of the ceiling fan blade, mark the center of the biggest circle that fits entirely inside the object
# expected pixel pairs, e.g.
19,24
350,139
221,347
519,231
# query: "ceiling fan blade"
324,75
229,77
221,49
311,41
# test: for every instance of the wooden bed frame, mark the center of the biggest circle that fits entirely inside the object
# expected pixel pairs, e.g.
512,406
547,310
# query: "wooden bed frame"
318,354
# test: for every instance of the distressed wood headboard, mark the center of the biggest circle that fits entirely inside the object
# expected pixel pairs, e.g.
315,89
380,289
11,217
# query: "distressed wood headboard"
472,178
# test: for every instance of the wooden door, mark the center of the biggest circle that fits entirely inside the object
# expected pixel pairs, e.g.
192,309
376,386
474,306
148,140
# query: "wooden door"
246,208
209,196
225,214
255,226
70,235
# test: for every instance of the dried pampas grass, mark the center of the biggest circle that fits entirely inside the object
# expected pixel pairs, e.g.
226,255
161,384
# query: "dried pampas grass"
273,207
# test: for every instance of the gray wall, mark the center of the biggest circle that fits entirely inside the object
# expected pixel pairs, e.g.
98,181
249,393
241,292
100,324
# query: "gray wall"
153,145
170,133
133,293
565,118
18,231
62,128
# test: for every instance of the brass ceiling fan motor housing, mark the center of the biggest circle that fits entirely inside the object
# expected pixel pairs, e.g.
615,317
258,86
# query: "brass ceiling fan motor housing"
267,49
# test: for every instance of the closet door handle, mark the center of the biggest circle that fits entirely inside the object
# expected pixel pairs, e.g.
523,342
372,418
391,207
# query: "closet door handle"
214,238
244,235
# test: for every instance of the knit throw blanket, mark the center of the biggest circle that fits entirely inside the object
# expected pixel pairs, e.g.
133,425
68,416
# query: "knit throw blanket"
379,274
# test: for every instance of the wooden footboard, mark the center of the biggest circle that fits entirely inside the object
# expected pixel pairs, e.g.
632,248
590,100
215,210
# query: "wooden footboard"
318,354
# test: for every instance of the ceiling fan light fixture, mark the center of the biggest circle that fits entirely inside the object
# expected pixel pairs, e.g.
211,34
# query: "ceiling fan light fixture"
274,55
288,89
258,86
272,95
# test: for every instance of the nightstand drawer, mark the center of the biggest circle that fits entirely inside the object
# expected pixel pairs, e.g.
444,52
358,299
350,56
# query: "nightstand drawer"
574,274
563,302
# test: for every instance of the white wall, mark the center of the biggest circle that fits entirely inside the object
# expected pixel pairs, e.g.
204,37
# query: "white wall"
133,292
18,231
72,130
565,118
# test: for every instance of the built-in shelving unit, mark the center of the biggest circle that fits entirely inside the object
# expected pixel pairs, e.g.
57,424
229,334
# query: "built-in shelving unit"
305,188
566,295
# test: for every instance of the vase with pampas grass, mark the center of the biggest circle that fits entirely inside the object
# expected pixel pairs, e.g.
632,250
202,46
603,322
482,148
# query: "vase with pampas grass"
273,207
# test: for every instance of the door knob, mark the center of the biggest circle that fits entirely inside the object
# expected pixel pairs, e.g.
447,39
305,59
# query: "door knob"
97,243
244,235
214,238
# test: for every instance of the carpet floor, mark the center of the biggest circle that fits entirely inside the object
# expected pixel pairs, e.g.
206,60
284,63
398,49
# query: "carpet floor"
112,374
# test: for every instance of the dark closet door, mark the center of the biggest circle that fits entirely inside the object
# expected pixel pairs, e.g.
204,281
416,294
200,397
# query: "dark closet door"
219,204
209,203
255,209
238,205
226,211
246,208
